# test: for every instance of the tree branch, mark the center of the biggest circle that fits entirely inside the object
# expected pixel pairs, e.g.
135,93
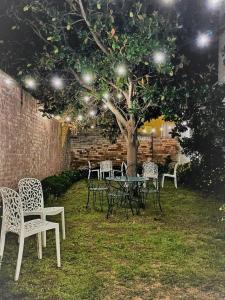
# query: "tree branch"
79,80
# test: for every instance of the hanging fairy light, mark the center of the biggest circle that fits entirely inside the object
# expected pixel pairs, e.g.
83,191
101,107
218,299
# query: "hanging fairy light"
104,106
121,70
92,126
119,96
214,4
68,119
203,40
80,118
57,82
86,98
92,113
30,83
168,2
88,78
159,57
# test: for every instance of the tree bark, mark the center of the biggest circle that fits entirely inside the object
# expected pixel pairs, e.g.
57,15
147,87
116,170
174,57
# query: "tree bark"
132,149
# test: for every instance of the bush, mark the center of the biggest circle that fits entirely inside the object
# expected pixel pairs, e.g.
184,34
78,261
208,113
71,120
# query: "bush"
58,184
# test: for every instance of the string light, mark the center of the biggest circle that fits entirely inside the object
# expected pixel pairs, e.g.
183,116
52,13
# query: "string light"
57,83
92,113
80,118
153,130
86,98
88,78
121,70
30,83
214,4
203,40
68,119
104,106
168,2
159,57
119,96
92,126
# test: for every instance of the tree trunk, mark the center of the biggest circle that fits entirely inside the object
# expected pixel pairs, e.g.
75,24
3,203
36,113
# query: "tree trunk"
132,149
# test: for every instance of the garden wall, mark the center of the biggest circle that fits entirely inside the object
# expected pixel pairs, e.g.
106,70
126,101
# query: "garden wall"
92,146
30,145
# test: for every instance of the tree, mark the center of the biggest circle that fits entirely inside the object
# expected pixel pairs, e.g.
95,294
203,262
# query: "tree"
122,55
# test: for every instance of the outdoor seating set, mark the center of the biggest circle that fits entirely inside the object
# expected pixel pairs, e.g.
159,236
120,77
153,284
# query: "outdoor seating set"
28,202
129,192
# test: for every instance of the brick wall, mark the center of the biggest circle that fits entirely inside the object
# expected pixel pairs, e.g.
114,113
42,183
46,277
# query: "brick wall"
92,146
30,145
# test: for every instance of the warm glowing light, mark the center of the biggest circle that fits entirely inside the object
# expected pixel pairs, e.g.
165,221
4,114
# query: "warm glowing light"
57,117
30,83
106,96
121,70
68,119
92,113
168,2
170,127
80,118
184,123
144,131
119,96
203,40
153,130
104,106
159,57
57,82
88,78
92,126
214,4
161,129
86,98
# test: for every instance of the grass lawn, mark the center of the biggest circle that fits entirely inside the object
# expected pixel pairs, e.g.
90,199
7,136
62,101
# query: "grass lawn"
180,255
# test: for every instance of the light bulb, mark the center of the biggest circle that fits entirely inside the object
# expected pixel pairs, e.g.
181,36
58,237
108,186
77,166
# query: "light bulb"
203,40
86,98
80,118
57,82
30,83
214,4
68,119
159,57
88,78
92,113
121,70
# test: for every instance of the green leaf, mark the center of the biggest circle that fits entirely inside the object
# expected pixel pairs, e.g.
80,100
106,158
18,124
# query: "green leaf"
99,5
13,27
49,38
131,14
68,27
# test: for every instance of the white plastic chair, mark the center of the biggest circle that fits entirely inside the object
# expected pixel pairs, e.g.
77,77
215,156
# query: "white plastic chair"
13,221
31,194
90,170
122,171
150,171
105,167
174,176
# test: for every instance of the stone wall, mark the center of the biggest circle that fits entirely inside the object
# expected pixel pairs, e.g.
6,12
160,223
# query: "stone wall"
30,145
92,146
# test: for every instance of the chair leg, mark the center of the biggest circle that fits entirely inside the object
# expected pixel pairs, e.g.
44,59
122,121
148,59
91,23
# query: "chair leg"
57,241
63,225
2,245
43,217
163,178
19,259
175,182
89,174
39,245
88,199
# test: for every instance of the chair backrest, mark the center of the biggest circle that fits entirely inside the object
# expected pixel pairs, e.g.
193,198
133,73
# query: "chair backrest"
175,169
106,166
31,194
123,168
12,219
150,169
89,164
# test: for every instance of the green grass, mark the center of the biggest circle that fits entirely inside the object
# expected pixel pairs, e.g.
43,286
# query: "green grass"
178,255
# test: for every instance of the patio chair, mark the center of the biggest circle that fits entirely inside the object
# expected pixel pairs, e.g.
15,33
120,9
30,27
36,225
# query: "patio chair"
13,221
31,194
90,170
106,167
150,171
173,175
95,188
122,171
